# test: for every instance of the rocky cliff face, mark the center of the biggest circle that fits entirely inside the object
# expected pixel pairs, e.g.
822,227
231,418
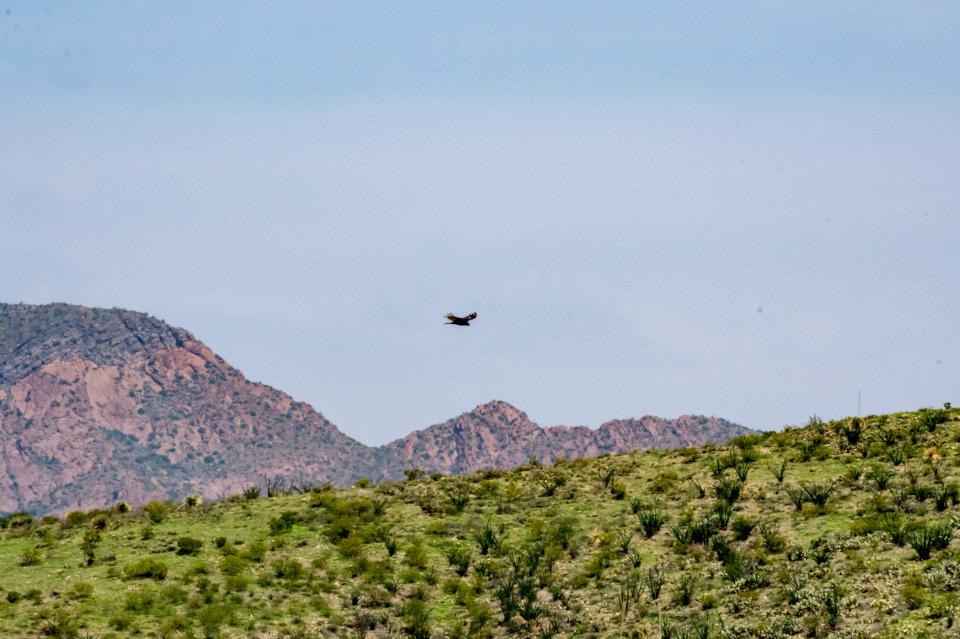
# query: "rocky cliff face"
103,405
497,435
100,405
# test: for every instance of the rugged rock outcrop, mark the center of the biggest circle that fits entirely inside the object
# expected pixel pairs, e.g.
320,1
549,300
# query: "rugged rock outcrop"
497,435
102,405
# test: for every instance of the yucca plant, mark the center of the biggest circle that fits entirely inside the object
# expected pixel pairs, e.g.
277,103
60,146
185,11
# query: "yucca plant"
651,521
779,472
818,493
486,539
797,496
702,530
742,468
701,491
728,489
686,586
926,539
880,476
654,579
624,538
723,511
742,526
896,455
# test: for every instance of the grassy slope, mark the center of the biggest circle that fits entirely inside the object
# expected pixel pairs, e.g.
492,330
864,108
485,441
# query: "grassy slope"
837,570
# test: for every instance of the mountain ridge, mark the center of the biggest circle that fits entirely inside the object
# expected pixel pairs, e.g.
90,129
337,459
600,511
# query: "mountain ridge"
102,405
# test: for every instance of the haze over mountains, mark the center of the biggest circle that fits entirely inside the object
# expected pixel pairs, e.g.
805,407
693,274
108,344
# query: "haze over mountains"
102,405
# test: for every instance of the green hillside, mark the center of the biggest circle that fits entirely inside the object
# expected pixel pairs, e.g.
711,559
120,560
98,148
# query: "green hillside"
840,528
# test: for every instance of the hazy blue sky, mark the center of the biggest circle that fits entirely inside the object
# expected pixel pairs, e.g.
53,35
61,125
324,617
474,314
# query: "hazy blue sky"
749,210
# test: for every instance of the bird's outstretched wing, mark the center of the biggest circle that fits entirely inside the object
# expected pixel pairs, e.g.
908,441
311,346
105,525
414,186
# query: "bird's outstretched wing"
471,316
452,317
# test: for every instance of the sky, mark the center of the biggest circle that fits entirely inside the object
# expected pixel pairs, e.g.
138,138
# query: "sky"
748,210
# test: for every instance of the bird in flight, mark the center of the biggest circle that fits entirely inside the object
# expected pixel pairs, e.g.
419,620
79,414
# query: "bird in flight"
461,321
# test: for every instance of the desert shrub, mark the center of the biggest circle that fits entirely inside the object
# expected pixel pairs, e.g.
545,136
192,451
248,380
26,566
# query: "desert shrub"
74,518
146,568
251,493
140,601
121,620
233,565
31,557
255,552
742,526
81,590
284,523
618,490
623,540
820,552
930,419
156,511
773,541
416,618
188,546
416,556
413,474
288,568
459,557
212,617
91,538
236,583
664,481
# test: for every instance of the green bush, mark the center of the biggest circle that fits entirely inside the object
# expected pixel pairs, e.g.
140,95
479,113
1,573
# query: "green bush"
156,511
742,526
188,546
146,568
31,557
459,557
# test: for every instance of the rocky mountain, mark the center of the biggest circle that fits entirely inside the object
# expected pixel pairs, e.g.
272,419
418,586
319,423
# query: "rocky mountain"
497,435
102,405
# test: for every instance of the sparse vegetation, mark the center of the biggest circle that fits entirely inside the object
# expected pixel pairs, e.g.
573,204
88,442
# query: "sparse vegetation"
841,543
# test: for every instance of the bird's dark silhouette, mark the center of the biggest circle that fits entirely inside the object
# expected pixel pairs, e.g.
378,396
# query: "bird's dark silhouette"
461,321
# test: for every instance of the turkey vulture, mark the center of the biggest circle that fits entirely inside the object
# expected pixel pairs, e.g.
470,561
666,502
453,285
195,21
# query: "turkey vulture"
461,321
